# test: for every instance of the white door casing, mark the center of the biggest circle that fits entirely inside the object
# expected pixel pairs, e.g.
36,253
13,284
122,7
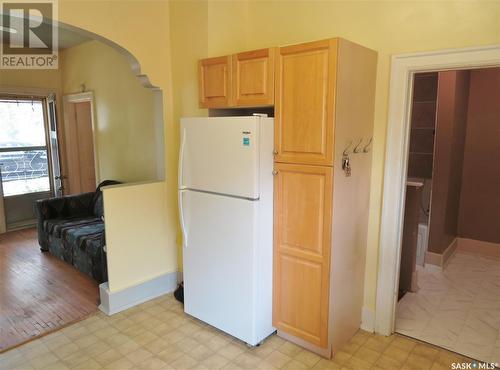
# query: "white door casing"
403,67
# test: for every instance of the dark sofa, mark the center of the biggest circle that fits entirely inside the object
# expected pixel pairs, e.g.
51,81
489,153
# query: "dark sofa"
72,229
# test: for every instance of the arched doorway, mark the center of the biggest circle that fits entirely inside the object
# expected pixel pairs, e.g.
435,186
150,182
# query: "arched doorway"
44,291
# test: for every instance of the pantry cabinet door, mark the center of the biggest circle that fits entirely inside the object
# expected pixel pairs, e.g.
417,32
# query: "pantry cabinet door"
302,245
305,103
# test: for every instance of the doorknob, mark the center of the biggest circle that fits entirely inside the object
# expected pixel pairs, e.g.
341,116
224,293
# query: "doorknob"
60,177
275,152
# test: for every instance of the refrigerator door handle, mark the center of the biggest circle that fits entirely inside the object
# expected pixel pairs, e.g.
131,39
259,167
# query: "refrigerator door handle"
181,160
181,217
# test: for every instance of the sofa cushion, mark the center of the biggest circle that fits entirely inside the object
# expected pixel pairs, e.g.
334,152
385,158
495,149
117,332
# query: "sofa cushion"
90,258
86,238
56,226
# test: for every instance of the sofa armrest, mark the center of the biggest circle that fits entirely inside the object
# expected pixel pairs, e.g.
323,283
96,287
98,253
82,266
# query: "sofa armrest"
62,207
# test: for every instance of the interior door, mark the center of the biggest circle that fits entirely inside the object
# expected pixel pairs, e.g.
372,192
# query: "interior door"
79,140
24,159
302,238
305,101
3,224
57,177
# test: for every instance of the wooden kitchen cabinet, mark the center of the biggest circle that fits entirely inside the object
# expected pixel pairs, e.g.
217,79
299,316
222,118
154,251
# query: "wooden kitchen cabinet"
253,78
305,102
324,105
302,231
242,80
215,82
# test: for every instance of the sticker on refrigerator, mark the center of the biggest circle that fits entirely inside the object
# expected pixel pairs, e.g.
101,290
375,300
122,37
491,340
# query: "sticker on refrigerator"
246,141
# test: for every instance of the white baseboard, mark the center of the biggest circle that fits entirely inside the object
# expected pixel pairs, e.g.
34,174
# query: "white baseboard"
478,247
114,302
368,319
441,260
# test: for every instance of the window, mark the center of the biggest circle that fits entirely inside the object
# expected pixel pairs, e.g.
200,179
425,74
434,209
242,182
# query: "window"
24,166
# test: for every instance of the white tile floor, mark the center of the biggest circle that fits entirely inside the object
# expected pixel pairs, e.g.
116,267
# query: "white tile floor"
458,308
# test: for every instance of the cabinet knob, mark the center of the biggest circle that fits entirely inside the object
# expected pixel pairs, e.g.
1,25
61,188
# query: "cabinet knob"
275,152
275,172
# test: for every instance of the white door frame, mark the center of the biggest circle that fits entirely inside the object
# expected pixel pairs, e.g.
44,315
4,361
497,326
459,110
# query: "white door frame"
403,68
87,96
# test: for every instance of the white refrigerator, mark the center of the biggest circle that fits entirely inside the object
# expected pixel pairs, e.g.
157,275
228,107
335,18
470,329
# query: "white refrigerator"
226,213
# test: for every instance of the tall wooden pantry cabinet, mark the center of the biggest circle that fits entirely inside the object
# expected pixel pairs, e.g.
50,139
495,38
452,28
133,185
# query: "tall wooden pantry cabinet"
323,94
324,106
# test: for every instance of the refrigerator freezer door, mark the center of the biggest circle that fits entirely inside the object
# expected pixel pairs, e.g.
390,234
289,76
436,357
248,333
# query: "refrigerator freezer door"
220,155
219,261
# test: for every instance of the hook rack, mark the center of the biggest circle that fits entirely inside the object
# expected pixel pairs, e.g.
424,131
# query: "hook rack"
356,148
346,150
366,147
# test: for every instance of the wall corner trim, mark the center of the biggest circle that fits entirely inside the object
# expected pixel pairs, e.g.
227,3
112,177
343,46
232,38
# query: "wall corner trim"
368,319
114,302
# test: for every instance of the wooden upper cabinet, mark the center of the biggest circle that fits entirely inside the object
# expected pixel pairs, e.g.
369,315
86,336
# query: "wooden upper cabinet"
253,78
215,82
302,246
305,102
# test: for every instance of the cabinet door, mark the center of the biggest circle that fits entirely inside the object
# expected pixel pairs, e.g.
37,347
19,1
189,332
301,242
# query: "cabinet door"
302,235
305,101
253,78
215,82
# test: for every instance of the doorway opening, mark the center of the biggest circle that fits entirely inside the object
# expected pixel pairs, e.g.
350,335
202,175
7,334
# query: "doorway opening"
26,165
51,274
80,138
449,277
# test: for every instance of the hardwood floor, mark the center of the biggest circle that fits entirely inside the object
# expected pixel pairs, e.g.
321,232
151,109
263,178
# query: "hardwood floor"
38,292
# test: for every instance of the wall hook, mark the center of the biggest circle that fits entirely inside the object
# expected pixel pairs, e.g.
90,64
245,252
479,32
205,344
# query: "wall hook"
346,150
356,148
366,148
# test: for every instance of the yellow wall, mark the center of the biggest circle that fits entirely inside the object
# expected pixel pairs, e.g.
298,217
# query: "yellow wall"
389,27
124,111
189,42
142,28
50,79
135,234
